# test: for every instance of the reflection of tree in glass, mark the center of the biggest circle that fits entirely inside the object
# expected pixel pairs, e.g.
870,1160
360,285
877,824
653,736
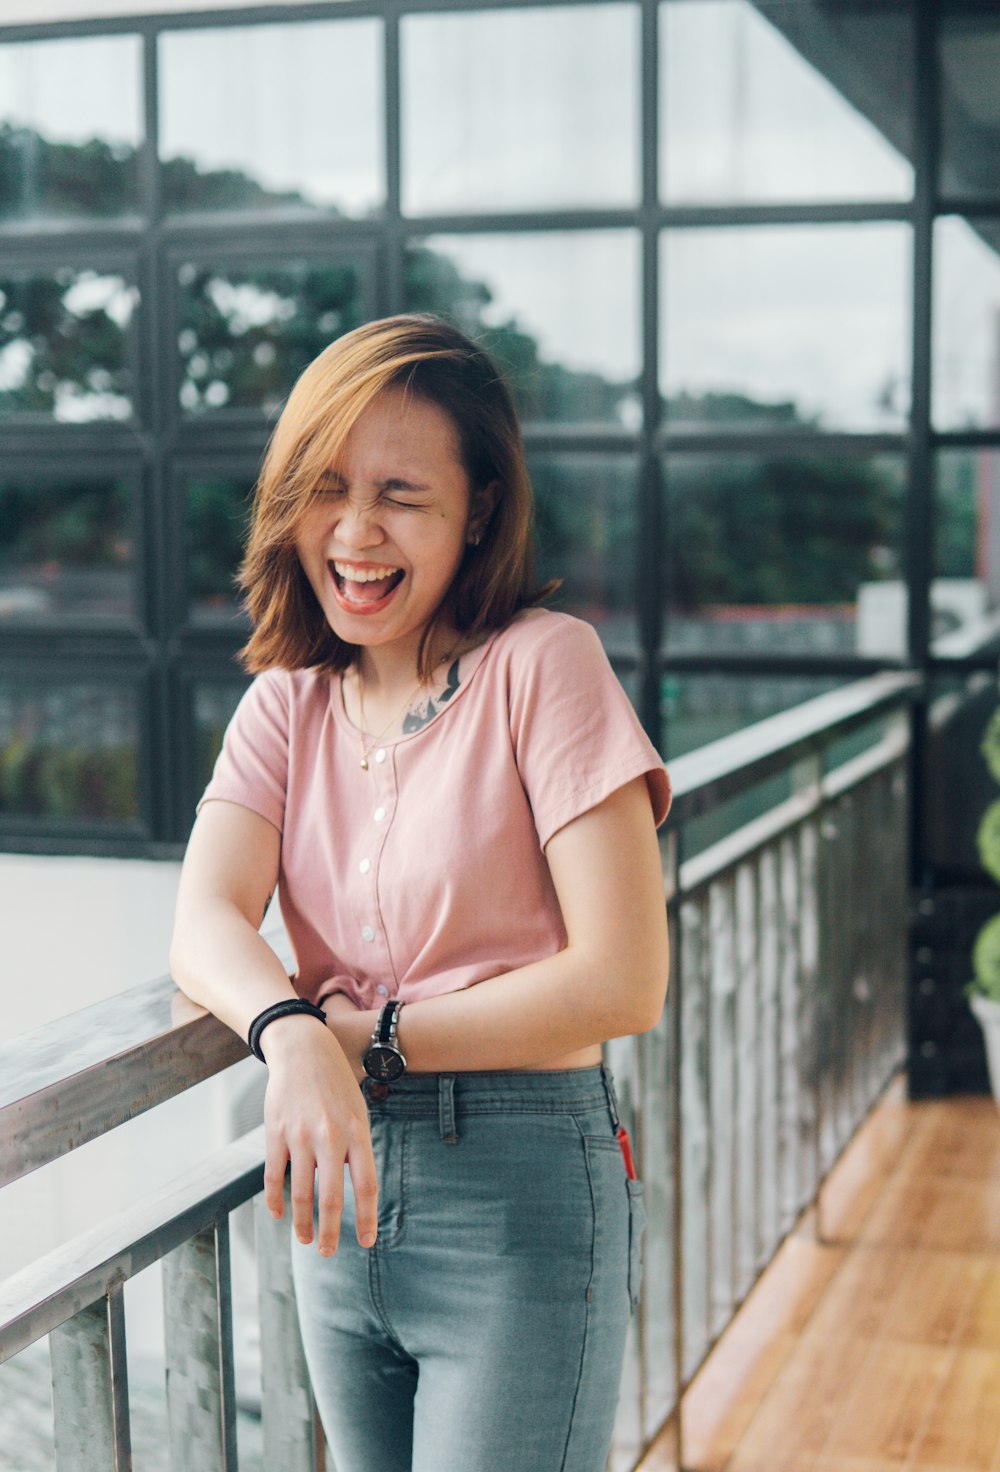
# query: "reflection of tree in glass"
246,335
219,511
543,391
65,179
42,781
733,408
76,524
957,520
39,177
585,532
63,345
778,531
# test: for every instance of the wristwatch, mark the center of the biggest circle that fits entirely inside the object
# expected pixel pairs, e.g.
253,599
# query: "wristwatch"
382,1060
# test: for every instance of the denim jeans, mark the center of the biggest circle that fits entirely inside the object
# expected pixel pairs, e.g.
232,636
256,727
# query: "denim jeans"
485,1331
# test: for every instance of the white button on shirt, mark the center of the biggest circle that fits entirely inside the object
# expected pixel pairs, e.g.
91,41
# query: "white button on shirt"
367,933
365,865
380,754
378,814
383,991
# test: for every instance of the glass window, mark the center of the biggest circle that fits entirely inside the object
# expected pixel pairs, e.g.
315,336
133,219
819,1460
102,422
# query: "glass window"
247,332
779,108
520,109
70,127
966,386
800,555
66,548
270,116
586,532
970,99
560,311
213,708
218,509
697,709
68,751
782,326
966,583
64,342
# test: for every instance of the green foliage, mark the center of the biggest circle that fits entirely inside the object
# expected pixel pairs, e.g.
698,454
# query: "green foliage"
49,781
986,961
986,951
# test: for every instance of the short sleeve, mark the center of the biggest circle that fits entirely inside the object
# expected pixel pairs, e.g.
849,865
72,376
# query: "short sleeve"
252,767
576,737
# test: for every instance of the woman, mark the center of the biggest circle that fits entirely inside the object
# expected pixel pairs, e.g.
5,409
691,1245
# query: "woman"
450,788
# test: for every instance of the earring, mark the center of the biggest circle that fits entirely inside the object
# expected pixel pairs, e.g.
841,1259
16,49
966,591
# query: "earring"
476,538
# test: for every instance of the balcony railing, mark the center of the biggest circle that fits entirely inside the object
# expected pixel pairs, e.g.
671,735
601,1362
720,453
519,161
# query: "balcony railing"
785,1020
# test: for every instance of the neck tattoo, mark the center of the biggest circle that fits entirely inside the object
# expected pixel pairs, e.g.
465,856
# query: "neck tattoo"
368,742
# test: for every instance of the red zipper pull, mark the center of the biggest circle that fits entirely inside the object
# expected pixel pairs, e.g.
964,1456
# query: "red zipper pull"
625,1145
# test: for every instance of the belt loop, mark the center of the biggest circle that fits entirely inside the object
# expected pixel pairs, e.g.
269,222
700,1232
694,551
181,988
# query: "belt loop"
609,1090
446,1108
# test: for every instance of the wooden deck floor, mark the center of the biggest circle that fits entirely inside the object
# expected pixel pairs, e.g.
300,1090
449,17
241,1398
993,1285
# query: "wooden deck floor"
872,1343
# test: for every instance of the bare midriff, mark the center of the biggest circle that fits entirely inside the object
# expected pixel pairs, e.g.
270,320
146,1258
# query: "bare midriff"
582,1058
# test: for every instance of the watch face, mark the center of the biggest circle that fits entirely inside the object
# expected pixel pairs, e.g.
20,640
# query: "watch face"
384,1064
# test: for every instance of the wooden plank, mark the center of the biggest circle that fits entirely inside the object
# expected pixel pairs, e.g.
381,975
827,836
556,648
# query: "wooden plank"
918,1211
880,1405
962,1427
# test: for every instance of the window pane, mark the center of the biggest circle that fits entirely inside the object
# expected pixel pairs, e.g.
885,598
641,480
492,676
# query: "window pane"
258,117
966,539
247,333
697,709
68,751
64,346
778,109
218,510
966,317
787,325
799,555
65,549
213,707
560,311
70,127
586,527
970,99
520,109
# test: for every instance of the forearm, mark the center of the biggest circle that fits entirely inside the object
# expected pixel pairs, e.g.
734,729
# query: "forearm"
220,961
521,1019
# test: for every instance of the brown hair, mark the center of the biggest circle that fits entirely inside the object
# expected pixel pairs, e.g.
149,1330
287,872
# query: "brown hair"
433,360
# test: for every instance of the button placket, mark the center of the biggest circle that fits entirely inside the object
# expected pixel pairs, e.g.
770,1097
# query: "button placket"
371,929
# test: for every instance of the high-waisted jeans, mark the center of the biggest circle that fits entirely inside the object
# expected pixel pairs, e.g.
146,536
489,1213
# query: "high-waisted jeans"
485,1330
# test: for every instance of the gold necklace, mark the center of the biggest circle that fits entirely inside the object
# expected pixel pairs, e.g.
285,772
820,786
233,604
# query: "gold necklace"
366,748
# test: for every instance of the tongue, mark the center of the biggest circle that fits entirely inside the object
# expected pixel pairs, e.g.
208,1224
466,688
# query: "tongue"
371,592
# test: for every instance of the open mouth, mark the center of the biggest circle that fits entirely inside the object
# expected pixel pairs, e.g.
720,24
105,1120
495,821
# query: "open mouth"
365,587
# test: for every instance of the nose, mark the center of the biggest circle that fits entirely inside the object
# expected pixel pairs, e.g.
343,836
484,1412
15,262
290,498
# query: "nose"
358,526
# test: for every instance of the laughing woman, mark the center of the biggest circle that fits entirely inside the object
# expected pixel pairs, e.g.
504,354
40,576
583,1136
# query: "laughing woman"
458,806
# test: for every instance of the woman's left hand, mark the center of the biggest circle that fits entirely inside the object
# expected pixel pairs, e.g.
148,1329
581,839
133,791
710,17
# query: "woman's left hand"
352,1028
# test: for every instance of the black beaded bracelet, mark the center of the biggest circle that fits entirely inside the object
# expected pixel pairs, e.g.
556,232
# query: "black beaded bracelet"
280,1009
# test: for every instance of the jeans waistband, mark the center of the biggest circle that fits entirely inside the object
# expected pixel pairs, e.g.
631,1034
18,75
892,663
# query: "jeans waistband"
556,1091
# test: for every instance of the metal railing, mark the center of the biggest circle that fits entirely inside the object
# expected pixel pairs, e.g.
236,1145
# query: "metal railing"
785,1020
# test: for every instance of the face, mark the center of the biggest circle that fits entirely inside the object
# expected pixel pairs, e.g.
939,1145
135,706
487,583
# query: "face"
384,536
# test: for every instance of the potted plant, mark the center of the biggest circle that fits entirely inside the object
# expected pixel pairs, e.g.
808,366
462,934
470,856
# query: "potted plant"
984,989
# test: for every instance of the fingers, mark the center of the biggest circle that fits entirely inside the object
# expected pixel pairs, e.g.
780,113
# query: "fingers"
275,1163
303,1173
361,1163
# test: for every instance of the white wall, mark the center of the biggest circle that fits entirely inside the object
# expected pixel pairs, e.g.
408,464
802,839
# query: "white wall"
75,931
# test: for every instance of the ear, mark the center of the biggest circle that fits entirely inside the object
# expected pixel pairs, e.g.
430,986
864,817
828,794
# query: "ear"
483,505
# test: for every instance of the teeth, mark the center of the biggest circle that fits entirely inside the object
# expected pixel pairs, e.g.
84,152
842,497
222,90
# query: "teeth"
362,574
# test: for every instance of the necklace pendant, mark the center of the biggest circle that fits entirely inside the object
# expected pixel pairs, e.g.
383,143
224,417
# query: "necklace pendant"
364,764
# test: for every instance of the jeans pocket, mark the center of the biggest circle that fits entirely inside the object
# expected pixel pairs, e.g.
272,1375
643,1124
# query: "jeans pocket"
636,1227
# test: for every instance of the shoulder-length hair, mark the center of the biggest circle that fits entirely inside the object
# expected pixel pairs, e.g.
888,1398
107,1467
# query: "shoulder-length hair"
433,360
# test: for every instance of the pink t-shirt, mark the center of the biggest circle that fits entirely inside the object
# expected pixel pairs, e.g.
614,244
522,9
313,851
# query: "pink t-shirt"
427,873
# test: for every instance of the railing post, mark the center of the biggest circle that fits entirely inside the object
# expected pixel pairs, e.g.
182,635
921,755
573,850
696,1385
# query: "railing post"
291,1442
201,1391
90,1389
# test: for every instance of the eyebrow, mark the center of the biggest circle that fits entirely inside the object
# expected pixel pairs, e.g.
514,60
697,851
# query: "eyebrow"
332,480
